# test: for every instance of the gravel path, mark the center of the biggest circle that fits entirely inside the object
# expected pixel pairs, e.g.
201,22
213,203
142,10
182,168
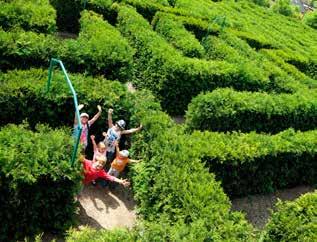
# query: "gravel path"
257,207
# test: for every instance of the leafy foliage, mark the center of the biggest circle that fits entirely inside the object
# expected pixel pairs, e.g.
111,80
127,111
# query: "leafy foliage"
36,165
176,34
284,7
38,16
310,19
23,96
100,49
227,110
257,163
294,221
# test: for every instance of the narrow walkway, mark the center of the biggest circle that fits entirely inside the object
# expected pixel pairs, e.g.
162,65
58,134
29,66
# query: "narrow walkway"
100,209
257,207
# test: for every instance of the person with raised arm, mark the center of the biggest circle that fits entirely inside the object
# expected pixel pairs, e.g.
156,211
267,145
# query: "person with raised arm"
86,124
114,134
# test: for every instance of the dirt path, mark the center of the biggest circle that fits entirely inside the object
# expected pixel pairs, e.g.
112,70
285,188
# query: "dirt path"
257,207
100,209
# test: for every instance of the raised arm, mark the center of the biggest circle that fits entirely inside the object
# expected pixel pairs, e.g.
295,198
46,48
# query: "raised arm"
117,147
97,115
134,161
93,141
110,123
131,131
80,107
123,182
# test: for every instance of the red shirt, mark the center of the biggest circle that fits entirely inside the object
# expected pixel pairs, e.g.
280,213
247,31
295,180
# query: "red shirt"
92,174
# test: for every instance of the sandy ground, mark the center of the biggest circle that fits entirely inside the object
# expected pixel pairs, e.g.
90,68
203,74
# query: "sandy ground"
257,207
101,209
106,209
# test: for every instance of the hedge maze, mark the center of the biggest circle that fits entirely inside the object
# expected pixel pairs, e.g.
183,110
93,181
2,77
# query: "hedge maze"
244,77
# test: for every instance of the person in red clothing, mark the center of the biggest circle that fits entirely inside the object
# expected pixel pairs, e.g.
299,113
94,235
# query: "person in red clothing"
94,170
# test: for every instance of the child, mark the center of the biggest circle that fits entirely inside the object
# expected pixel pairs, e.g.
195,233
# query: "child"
94,170
99,150
120,162
86,124
114,134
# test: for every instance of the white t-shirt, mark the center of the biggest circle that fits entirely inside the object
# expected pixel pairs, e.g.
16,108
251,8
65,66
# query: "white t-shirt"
110,139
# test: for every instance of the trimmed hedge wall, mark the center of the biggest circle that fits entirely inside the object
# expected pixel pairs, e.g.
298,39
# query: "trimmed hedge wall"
227,110
173,78
100,49
38,16
176,34
23,96
258,163
37,182
294,221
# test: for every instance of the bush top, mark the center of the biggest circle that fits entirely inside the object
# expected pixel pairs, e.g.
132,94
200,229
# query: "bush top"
26,155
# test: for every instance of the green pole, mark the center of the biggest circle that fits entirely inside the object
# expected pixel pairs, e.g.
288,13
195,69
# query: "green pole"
50,76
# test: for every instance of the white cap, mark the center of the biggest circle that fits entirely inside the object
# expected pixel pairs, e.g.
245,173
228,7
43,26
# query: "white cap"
84,115
124,153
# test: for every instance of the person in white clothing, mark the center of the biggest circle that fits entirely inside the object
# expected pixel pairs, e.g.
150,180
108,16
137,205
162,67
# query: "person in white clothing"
114,134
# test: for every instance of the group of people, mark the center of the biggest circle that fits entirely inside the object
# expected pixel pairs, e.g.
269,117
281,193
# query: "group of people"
106,151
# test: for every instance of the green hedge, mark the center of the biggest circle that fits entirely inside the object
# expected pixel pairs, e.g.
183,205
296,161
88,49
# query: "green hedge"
294,221
226,110
173,78
23,96
176,34
228,47
173,188
100,49
38,16
258,163
26,49
37,181
104,8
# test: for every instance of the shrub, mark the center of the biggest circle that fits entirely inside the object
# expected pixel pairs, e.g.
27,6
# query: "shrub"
293,221
23,96
100,49
173,187
176,34
310,19
37,181
173,78
227,110
36,16
284,7
24,49
104,8
257,163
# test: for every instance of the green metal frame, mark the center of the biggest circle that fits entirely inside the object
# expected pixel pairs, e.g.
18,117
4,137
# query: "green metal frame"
50,76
